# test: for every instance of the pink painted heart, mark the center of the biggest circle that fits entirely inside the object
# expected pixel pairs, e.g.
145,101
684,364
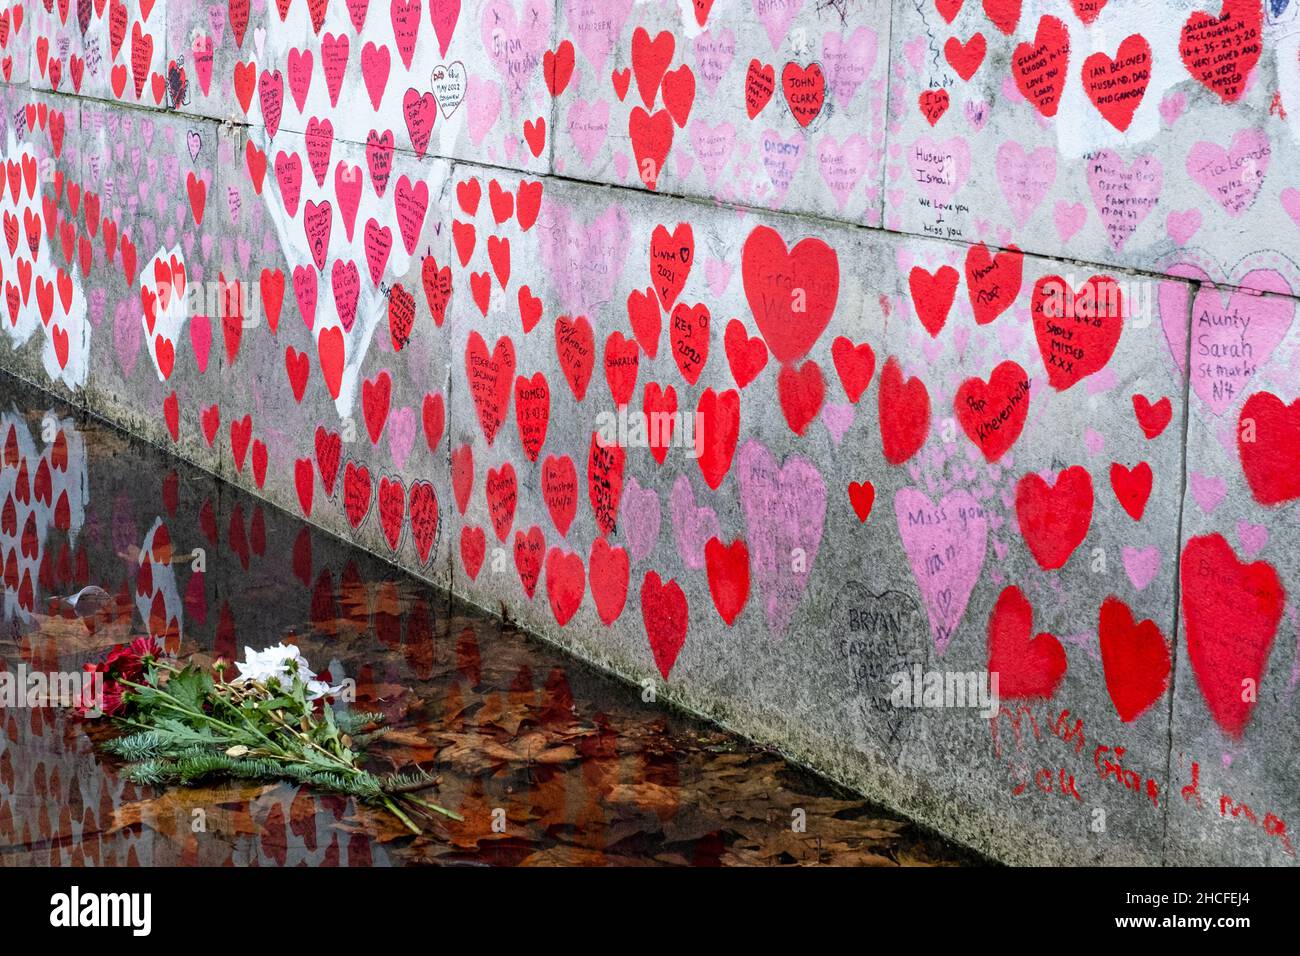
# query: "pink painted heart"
596,26
1231,176
1124,193
640,517
946,546
1181,226
785,514
1141,565
843,165
940,169
1069,218
693,525
1025,177
584,255
848,62
1208,490
1234,332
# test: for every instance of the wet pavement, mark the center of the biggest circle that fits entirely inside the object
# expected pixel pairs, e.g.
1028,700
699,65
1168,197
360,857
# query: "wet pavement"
548,760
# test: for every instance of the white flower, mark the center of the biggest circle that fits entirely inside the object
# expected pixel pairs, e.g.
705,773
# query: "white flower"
282,662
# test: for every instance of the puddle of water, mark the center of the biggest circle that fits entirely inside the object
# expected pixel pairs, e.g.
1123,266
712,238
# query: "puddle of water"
548,761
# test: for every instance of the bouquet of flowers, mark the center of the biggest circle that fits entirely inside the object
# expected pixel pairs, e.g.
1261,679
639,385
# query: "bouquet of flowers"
274,721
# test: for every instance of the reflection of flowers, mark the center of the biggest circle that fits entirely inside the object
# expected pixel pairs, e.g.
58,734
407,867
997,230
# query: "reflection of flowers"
281,663
125,662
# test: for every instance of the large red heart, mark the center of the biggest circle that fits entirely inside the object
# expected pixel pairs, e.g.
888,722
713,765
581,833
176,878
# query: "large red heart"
566,583
560,491
904,411
1077,332
609,579
792,293
1268,443
490,380
1221,51
1218,588
532,412
992,282
1054,519
718,416
1040,68
665,614
1027,666
727,566
932,294
1116,87
671,257
993,414
1135,658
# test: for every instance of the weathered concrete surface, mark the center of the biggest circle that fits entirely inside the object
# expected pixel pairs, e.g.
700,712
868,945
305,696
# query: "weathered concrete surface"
437,331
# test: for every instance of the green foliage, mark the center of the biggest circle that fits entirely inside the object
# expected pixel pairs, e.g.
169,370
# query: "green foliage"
182,727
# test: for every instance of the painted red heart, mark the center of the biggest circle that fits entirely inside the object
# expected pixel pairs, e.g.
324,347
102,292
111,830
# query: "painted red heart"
1268,444
1116,87
1132,487
646,321
462,475
1217,587
1027,666
1054,518
652,138
760,84
605,482
855,365
1005,14
689,333
993,413
566,583
747,356
967,57
801,392
490,380
666,616
727,568
650,59
932,294
560,491
609,575
862,496
805,91
473,548
575,345
1152,418
1040,68
532,412
671,257
1077,332
1135,658
502,490
1221,51
718,416
791,293
660,408
433,415
904,413
530,549
622,360
933,104
992,281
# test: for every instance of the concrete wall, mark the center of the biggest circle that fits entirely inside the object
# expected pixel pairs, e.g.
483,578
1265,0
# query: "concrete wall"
834,233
